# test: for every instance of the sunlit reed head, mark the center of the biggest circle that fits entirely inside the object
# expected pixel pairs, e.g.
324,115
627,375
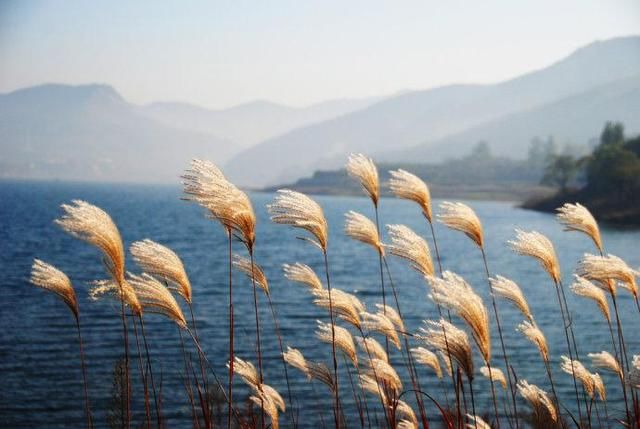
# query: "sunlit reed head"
575,369
246,371
162,262
444,357
427,358
302,273
156,298
255,272
408,245
93,225
406,424
605,270
542,406
453,292
320,372
361,228
448,339
598,386
406,412
371,385
584,288
494,374
392,315
364,170
345,305
385,374
372,347
382,324
50,278
633,376
343,339
119,291
535,335
509,290
410,187
607,361
576,217
477,423
461,217
295,358
539,247
205,184
299,211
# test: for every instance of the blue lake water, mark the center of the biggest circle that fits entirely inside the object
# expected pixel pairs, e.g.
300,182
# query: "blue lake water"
40,380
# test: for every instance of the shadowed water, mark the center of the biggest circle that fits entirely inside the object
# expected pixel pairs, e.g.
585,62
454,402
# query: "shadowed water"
39,368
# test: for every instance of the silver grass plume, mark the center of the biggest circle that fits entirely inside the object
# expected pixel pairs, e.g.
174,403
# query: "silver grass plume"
537,246
447,362
302,273
49,278
247,372
270,400
494,374
361,228
345,305
450,340
598,386
369,384
453,292
633,376
406,244
123,291
385,374
373,347
605,360
579,372
160,261
380,323
319,371
427,358
343,339
296,359
576,217
364,170
392,315
584,288
299,211
244,265
535,335
405,410
606,269
461,217
538,399
508,289
477,423
406,424
410,187
156,298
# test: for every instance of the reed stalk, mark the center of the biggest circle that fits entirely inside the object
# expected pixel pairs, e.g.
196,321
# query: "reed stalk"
143,377
195,418
258,345
157,399
231,331
87,404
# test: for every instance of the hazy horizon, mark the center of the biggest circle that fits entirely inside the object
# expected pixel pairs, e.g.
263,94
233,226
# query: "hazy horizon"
221,55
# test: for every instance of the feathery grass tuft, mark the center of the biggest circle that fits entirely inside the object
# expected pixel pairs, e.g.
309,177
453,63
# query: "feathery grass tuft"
509,290
48,277
461,217
539,247
410,187
576,217
408,245
364,170
299,211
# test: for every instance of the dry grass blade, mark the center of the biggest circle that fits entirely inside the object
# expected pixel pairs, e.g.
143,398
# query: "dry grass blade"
453,292
93,225
361,228
598,386
427,358
345,305
441,334
382,324
447,362
477,423
539,400
156,298
269,400
116,291
406,244
319,371
244,265
405,410
410,187
343,339
295,358
509,290
392,315
605,360
579,372
373,348
539,247
295,209
576,217
160,261
247,372
48,277
535,335
605,269
364,170
494,374
385,374
584,288
461,217
369,384
302,273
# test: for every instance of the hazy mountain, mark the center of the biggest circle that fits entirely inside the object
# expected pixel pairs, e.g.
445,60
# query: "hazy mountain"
250,123
574,119
405,120
90,132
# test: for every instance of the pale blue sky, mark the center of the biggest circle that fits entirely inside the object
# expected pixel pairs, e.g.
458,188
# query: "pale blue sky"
220,53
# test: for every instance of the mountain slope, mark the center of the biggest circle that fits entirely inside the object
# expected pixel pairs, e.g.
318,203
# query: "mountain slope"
405,120
90,132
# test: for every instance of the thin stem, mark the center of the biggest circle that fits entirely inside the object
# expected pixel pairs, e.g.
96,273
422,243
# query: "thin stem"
356,397
87,405
196,420
126,402
231,352
473,401
202,369
153,383
375,375
255,306
147,407
333,341
493,394
384,295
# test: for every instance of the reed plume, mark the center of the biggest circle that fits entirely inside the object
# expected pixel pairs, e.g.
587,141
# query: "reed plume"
343,339
406,424
51,279
495,375
603,269
598,386
392,315
373,348
460,217
477,423
447,362
299,211
369,384
605,360
249,269
302,273
385,374
406,244
361,228
269,405
456,343
427,358
584,288
364,170
537,246
579,372
410,187
576,217
110,288
405,410
542,406
509,290
295,358
345,305
535,335
380,323
154,297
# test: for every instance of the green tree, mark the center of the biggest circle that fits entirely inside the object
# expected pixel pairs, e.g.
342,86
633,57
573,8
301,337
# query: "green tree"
560,172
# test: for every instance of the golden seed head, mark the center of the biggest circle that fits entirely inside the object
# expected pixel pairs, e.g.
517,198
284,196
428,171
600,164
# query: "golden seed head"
447,362
576,217
598,385
539,247
539,400
385,374
477,423
364,170
461,217
319,371
605,360
345,305
296,209
162,262
606,270
584,288
343,339
93,225
246,371
382,324
406,424
119,291
156,298
633,376
408,245
369,384
427,358
405,410
255,272
410,187
361,228
372,347
392,315
509,290
535,335
295,358
575,369
494,374
48,277
450,340
302,273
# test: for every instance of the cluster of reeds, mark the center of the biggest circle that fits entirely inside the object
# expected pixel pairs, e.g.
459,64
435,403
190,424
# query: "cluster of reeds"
371,343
